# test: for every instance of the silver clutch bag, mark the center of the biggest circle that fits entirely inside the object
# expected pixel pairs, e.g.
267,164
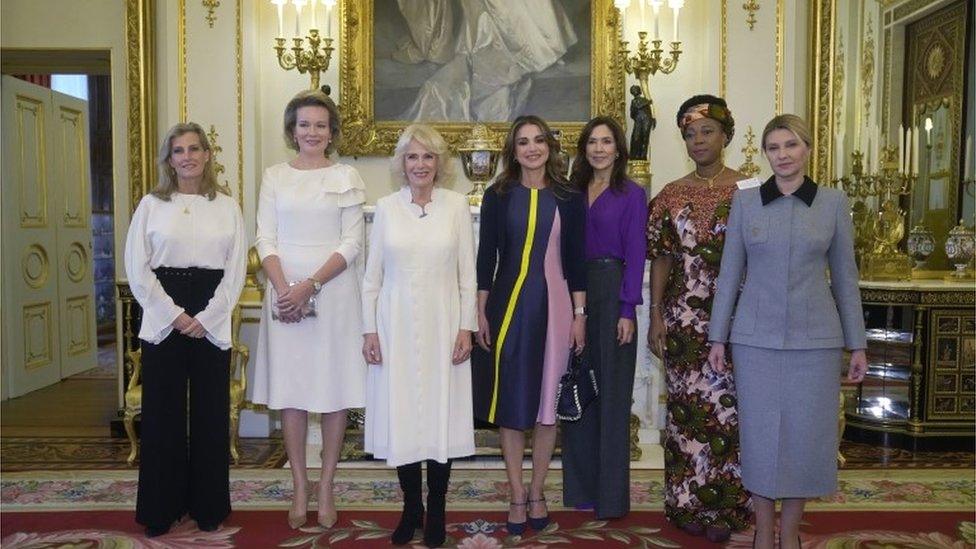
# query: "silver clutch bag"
307,311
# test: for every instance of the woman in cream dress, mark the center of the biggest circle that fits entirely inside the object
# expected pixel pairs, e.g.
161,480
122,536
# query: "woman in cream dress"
419,299
309,236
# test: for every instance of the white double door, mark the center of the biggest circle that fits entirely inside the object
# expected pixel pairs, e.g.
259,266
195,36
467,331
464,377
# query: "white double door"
48,292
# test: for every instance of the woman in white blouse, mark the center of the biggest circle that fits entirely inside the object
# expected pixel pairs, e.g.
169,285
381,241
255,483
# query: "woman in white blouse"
185,258
419,298
309,236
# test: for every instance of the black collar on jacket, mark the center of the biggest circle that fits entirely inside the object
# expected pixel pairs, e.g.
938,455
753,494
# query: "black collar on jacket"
807,191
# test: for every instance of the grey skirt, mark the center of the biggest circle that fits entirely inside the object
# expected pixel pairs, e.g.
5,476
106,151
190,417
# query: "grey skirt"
787,403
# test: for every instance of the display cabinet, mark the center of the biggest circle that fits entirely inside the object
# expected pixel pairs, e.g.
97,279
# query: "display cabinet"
920,390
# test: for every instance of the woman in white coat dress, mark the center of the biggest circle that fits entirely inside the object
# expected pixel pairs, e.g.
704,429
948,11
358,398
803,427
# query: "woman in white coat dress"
309,236
419,297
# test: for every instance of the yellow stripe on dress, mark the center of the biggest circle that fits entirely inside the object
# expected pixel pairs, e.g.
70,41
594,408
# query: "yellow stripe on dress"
513,299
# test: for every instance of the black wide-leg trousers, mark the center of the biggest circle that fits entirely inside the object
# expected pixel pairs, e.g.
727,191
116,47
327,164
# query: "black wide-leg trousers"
596,448
181,474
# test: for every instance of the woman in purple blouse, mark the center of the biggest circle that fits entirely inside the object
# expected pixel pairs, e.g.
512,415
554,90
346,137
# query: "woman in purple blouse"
596,449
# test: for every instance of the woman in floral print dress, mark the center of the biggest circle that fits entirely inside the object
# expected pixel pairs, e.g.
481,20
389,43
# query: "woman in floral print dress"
685,233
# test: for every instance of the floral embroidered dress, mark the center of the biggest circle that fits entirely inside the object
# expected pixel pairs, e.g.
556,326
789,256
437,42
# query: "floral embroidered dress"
703,480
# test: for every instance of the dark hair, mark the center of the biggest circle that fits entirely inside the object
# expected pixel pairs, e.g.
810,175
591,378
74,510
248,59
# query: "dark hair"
726,120
512,170
582,170
312,98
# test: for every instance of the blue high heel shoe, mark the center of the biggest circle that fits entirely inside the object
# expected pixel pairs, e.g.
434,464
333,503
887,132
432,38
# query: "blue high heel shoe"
516,528
540,523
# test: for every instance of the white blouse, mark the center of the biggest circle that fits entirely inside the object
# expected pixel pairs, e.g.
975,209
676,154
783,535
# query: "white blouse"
189,230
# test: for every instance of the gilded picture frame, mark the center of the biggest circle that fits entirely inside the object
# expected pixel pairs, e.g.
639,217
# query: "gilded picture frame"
365,135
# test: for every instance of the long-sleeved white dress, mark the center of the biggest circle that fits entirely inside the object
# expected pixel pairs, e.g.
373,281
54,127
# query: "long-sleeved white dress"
420,289
304,216
189,230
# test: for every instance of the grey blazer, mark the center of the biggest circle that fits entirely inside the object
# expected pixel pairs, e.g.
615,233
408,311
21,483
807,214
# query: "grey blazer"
782,251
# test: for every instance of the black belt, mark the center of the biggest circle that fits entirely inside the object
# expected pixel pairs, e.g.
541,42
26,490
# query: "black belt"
606,261
187,272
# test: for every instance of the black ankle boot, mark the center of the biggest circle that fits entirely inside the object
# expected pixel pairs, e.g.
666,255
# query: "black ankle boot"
438,476
412,517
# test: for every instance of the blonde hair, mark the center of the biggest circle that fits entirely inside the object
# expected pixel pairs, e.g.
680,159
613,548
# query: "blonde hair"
168,183
433,141
312,98
791,123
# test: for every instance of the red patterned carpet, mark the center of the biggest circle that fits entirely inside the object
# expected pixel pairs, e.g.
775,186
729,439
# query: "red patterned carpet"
477,530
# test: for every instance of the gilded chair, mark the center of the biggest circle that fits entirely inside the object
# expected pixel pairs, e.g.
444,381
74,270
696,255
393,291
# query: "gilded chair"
239,357
133,402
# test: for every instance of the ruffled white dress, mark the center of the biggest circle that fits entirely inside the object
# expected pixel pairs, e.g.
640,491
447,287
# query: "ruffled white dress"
304,216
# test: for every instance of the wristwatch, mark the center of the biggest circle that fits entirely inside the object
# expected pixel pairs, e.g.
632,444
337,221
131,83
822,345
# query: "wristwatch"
316,285
579,311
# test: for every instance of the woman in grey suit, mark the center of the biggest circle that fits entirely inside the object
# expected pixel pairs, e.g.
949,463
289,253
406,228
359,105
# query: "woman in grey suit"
789,328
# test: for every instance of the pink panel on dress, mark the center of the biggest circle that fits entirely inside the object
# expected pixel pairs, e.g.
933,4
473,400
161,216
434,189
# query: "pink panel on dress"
558,329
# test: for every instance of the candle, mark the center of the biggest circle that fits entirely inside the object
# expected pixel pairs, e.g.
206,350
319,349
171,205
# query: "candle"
915,151
675,6
676,24
329,4
311,8
928,132
280,4
908,151
656,8
969,158
643,9
299,4
877,148
901,149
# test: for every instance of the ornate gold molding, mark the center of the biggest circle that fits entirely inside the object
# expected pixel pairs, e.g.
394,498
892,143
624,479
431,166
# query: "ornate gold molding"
364,135
724,45
751,8
215,150
140,17
211,6
181,58
749,167
837,86
239,53
867,71
820,101
780,38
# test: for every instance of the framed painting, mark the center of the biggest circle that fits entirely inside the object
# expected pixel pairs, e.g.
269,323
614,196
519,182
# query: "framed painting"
457,63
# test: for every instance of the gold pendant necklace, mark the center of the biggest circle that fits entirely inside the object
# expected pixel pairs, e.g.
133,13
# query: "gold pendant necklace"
709,180
186,207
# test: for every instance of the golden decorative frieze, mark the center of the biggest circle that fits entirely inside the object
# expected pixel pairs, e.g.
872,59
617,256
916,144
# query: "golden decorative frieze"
363,134
211,6
239,55
751,8
181,59
909,8
215,150
867,71
780,54
749,167
821,111
838,85
140,17
724,48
